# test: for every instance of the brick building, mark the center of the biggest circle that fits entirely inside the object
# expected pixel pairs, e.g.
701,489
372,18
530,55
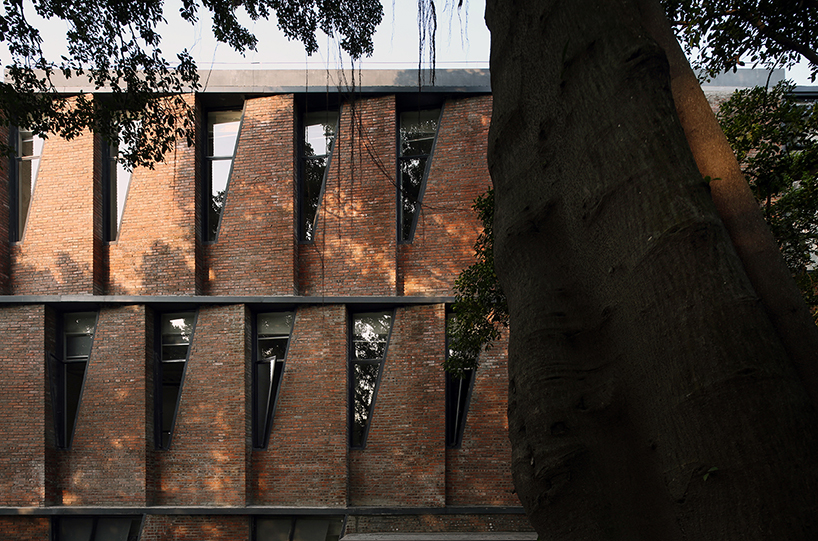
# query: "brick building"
245,342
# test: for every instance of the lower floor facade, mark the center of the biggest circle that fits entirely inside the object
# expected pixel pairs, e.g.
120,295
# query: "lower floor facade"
281,418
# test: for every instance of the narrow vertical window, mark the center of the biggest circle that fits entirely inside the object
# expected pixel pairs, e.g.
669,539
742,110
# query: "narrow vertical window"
417,138
222,135
101,528
77,333
116,181
458,396
272,338
175,333
370,337
29,149
318,135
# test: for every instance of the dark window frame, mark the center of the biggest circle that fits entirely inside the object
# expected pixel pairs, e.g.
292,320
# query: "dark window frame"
137,524
17,233
159,371
210,232
301,168
65,428
111,220
457,407
404,235
293,522
352,363
262,422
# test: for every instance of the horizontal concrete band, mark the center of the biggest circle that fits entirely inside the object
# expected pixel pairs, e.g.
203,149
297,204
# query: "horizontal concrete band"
218,299
258,510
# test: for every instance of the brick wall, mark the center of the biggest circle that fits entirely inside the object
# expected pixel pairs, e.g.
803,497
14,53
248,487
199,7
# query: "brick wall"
195,528
404,459
22,448
14,528
56,253
354,251
106,464
256,246
305,461
447,227
156,250
479,472
206,462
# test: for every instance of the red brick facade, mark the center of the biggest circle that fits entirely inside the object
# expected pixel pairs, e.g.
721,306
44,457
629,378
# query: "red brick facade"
212,481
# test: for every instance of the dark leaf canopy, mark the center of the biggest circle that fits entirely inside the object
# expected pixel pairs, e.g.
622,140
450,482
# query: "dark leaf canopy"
719,34
114,44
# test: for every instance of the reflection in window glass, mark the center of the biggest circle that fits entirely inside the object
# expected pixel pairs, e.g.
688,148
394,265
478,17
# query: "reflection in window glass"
222,135
176,331
108,528
117,179
316,149
29,150
370,335
458,396
417,137
69,371
273,336
298,528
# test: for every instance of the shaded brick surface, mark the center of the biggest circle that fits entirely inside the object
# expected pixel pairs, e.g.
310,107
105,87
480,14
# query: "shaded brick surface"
354,251
447,227
256,246
25,528
403,462
309,435
22,448
107,461
206,462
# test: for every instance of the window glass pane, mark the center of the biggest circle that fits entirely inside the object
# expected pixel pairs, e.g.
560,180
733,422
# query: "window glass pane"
310,530
75,528
112,529
79,322
78,346
272,348
264,387
365,376
275,323
273,529
177,328
319,132
314,172
417,131
223,131
412,172
370,332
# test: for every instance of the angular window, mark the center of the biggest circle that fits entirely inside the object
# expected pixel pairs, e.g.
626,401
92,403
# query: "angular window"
318,135
29,149
222,135
284,528
68,371
175,334
370,337
116,179
418,130
104,528
458,396
272,338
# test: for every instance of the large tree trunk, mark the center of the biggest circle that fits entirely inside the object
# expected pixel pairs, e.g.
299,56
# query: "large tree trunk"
640,357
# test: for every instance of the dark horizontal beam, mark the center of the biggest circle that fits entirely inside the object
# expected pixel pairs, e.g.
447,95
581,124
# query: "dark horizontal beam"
219,299
61,510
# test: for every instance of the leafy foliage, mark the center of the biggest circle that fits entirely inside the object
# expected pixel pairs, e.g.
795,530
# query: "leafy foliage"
114,44
776,141
480,308
720,33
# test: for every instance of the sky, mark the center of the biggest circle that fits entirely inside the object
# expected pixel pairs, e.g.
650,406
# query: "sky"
462,41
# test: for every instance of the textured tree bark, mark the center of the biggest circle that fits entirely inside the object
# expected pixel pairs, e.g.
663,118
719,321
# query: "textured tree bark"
650,396
737,207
